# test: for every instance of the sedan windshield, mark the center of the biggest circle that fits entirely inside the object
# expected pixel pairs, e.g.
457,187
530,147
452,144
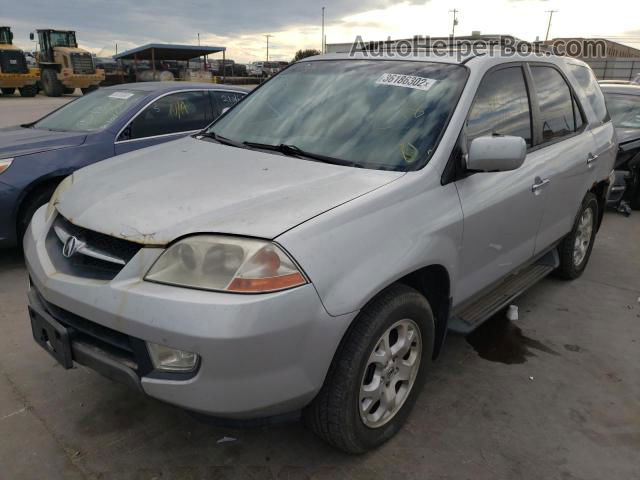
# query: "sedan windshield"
368,113
91,113
624,110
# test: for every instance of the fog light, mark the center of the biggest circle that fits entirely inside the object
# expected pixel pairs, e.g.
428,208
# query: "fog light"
170,359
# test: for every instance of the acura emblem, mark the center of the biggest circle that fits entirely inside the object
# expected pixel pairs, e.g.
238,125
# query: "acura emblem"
71,247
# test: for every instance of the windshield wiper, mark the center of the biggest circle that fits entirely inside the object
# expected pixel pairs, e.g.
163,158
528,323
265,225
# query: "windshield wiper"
294,151
219,139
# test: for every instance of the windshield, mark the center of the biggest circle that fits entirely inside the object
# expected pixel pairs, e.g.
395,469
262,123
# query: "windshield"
371,113
91,113
624,110
5,36
63,39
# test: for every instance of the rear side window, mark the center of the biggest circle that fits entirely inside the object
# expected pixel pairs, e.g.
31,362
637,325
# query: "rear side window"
588,83
222,100
501,106
175,113
557,107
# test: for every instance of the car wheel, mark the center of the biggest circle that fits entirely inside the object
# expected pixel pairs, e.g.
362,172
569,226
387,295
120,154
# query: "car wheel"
634,192
29,91
88,90
575,248
51,85
30,206
377,372
8,91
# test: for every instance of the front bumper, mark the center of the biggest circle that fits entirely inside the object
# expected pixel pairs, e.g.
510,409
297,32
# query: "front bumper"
19,80
261,355
77,80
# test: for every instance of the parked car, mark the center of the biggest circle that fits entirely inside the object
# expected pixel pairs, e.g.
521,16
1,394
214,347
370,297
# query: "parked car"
35,157
623,102
310,249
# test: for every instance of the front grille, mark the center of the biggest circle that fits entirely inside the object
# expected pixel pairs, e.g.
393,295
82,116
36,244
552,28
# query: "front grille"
82,63
103,258
13,61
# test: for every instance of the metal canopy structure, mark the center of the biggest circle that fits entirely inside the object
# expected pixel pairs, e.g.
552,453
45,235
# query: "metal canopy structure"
165,51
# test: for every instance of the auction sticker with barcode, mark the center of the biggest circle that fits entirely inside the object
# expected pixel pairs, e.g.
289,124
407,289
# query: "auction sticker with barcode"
121,95
407,81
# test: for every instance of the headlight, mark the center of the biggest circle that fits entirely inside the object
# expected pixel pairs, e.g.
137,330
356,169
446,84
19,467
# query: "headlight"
171,359
5,163
230,264
51,207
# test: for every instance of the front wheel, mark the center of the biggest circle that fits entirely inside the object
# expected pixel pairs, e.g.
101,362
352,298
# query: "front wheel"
575,248
29,91
50,83
88,90
377,373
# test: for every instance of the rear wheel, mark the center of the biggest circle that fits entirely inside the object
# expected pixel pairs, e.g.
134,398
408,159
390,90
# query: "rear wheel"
50,83
575,248
92,88
29,91
377,373
8,91
69,91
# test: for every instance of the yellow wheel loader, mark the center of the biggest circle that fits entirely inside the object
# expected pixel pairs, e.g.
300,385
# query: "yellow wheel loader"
14,71
63,66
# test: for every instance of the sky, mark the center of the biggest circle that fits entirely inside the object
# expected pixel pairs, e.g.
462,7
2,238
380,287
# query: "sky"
240,25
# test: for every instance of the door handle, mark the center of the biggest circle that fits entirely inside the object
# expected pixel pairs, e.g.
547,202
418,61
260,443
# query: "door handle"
591,158
539,184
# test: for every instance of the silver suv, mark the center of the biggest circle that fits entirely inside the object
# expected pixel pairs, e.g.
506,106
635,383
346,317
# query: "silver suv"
309,251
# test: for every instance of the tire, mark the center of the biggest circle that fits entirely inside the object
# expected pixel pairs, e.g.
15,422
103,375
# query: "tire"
573,250
50,84
335,413
69,91
29,91
634,192
88,90
30,206
8,91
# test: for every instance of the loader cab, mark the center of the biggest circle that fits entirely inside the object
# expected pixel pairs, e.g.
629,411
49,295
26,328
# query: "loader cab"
6,36
49,40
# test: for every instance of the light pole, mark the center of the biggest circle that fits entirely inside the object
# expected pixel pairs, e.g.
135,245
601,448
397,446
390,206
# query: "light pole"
550,12
322,41
268,37
455,12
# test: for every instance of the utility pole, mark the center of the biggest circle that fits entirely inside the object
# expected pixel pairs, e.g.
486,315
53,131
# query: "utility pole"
455,12
323,41
550,12
268,37
198,39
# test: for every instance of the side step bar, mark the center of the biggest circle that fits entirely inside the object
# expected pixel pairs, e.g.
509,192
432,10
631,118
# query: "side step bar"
471,315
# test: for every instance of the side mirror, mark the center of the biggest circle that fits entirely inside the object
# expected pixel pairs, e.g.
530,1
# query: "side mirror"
31,37
496,154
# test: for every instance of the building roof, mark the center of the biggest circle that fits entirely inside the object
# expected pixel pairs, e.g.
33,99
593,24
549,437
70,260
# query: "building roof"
165,51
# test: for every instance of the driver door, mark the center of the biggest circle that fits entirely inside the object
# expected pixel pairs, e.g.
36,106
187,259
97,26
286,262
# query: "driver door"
502,212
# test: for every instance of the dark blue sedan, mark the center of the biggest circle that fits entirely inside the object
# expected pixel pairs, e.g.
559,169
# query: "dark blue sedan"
35,157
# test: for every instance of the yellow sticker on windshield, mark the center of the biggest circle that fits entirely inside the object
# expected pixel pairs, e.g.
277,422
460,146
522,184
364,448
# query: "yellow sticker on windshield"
409,152
406,81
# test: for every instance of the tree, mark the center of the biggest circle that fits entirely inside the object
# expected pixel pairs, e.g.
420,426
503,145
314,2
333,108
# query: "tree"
300,54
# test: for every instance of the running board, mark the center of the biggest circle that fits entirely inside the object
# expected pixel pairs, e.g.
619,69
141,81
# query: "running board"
471,316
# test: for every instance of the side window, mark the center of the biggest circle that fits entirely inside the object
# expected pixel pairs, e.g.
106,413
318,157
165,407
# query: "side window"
501,106
222,100
556,103
588,83
175,113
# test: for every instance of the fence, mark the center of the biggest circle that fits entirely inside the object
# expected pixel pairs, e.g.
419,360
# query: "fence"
614,68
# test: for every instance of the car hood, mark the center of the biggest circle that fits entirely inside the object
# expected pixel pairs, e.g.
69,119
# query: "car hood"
155,195
18,141
627,134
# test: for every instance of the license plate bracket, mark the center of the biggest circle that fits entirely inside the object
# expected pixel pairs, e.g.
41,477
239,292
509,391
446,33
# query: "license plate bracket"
52,336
